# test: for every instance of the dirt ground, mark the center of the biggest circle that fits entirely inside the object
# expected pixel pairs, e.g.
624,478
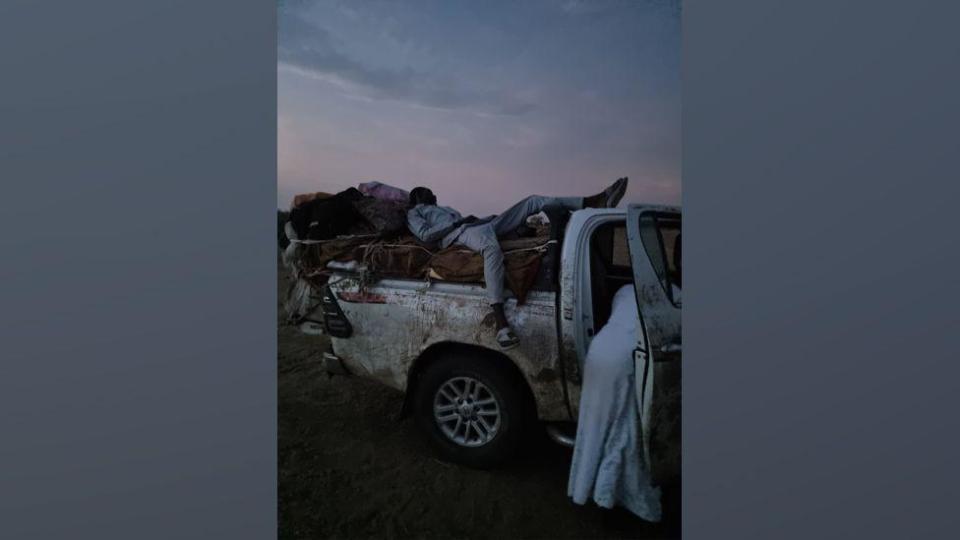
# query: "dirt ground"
349,468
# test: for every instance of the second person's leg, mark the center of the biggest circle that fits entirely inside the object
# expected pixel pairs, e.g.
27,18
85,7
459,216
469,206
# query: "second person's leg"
517,214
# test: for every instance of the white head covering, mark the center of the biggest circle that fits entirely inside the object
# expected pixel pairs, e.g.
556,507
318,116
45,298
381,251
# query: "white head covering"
624,313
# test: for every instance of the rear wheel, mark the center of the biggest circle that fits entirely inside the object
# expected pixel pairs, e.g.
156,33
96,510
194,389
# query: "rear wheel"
472,409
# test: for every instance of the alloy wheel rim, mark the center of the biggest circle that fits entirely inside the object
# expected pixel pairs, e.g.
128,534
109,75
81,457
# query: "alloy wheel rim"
466,411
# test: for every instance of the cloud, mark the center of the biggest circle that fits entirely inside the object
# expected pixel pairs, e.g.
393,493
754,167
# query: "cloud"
309,48
578,7
604,7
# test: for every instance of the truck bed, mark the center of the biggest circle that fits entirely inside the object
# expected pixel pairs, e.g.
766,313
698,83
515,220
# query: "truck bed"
394,321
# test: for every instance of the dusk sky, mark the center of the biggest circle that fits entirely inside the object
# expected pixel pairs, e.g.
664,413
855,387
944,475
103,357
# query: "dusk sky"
484,102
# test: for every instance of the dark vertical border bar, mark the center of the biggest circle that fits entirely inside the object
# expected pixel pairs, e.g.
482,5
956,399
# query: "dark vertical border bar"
820,377
137,283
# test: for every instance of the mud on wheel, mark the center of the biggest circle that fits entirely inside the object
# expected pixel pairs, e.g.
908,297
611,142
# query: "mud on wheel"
472,409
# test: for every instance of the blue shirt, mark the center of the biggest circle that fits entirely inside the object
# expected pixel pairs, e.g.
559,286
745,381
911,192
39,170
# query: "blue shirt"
431,223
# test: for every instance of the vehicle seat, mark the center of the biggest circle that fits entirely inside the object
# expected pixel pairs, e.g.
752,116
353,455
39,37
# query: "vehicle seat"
599,287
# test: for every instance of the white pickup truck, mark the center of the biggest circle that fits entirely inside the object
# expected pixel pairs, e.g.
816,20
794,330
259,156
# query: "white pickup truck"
435,340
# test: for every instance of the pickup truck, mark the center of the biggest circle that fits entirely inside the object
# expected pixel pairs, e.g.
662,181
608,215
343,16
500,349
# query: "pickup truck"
434,341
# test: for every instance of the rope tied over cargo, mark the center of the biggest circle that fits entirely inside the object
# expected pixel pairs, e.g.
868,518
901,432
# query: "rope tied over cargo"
337,239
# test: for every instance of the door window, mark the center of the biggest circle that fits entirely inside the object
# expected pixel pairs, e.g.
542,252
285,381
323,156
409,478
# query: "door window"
610,268
660,233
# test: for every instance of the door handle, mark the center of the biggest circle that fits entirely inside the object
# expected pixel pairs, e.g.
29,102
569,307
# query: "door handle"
673,347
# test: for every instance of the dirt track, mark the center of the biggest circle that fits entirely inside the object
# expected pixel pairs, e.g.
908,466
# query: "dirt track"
348,468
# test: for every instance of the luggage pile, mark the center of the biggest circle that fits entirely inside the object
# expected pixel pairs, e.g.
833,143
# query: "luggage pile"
364,230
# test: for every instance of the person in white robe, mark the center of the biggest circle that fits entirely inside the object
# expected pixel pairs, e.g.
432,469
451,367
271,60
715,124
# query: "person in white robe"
608,464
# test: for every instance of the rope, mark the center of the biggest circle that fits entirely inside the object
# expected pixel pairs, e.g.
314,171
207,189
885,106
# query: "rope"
337,239
404,246
539,247
372,251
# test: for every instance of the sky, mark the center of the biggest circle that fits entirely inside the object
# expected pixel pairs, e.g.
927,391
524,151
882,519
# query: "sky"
483,102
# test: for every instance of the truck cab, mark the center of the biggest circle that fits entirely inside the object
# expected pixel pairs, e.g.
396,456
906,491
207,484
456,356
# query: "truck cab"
603,251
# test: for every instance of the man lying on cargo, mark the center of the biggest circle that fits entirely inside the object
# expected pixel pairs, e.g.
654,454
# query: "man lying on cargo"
434,224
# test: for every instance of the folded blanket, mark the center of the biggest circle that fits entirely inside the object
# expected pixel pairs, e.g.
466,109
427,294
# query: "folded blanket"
521,258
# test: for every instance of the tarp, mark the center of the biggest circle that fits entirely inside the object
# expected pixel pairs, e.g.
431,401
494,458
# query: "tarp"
521,258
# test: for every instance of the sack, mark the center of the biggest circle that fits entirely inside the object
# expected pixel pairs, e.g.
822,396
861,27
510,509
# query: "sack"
329,217
384,192
387,218
307,197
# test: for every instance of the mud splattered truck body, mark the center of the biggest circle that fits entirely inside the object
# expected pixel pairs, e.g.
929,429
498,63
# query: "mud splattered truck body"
435,341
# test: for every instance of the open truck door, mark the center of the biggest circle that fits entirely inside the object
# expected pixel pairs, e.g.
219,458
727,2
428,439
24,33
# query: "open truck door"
653,236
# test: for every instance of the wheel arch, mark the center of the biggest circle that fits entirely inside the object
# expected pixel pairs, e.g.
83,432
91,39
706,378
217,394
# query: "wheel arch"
436,351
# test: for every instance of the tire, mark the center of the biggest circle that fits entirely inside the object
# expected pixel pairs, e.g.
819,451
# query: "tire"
481,439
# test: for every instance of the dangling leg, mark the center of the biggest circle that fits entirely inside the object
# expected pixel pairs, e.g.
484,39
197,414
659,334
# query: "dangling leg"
482,239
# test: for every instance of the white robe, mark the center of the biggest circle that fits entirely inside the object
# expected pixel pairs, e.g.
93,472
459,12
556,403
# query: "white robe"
608,460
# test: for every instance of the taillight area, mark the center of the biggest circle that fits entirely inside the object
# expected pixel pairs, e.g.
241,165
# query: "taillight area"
333,317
